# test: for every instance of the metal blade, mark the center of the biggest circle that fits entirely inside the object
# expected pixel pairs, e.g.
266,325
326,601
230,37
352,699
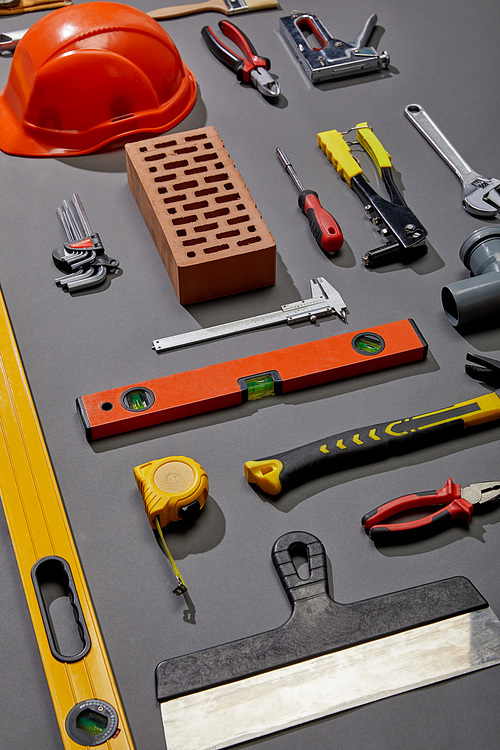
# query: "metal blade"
255,706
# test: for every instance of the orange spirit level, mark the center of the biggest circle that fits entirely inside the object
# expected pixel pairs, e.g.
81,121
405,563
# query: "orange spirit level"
230,383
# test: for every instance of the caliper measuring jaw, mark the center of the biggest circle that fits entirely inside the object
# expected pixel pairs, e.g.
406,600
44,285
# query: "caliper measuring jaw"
324,301
332,58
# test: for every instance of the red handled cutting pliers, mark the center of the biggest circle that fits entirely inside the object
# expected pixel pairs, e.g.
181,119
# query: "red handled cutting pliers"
249,69
458,506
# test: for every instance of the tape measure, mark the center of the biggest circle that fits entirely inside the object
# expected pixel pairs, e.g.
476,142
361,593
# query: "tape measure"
173,489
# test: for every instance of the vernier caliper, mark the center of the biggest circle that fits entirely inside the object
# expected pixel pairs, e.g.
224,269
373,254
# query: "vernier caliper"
324,301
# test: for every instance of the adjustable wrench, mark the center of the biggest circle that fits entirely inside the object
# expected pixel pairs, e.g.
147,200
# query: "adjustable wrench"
480,194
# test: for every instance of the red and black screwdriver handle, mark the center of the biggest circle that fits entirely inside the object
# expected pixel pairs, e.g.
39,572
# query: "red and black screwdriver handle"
242,67
457,510
324,228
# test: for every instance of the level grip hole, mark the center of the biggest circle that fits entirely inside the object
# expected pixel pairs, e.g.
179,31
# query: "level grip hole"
58,603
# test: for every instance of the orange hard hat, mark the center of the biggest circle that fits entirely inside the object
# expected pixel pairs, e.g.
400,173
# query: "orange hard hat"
86,75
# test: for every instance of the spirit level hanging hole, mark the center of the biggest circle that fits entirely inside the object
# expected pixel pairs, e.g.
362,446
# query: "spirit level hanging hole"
368,343
92,723
137,399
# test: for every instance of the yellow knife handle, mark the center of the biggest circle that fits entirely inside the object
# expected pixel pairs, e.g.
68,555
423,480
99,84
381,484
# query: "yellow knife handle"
336,149
371,144
284,471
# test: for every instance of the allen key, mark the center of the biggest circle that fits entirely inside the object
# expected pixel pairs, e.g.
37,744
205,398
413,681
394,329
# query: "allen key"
82,257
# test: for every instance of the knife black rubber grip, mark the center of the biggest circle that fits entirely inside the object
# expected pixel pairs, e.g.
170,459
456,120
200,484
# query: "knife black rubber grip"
284,471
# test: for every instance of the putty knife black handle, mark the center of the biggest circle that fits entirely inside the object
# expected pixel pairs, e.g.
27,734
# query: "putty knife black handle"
300,542
317,624
282,472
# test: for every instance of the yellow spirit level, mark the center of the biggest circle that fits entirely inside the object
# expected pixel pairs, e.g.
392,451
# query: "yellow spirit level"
84,693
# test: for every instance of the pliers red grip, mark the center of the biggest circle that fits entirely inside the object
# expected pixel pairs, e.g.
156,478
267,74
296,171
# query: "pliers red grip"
459,505
249,69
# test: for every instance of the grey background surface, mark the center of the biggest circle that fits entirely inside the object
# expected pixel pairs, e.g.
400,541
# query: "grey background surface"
445,56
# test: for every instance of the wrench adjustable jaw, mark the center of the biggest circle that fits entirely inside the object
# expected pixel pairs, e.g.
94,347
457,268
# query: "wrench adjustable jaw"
480,195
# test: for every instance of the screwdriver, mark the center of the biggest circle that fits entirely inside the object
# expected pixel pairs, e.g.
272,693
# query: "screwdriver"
324,228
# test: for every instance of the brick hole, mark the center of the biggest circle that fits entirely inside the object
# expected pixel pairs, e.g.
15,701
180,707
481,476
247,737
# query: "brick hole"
162,190
143,148
181,233
155,157
248,241
241,206
184,220
185,185
219,165
191,254
174,198
165,178
165,144
195,170
229,186
215,248
194,241
228,198
227,234
205,157
205,191
208,145
239,219
251,228
216,178
175,164
207,227
217,212
186,150
197,137
153,169
171,210
195,206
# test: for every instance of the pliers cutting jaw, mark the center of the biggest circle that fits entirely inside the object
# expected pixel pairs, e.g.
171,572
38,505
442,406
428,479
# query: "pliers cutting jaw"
485,369
456,507
249,69
393,218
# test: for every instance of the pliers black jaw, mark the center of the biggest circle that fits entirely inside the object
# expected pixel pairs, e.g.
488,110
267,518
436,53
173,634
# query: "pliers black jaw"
251,68
485,369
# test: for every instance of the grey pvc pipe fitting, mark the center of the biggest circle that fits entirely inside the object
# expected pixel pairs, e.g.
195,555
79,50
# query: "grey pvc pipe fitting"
469,300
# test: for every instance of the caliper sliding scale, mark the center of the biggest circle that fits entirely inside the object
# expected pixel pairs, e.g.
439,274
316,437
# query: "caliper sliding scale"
324,301
85,696
231,383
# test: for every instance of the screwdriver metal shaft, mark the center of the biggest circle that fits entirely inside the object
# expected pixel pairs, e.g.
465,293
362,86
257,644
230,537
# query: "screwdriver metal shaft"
324,228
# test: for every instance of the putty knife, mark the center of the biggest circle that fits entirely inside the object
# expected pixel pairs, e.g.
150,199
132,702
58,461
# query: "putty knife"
327,657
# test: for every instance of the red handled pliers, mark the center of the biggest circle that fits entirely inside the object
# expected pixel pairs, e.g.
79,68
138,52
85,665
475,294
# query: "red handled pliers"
249,69
459,505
